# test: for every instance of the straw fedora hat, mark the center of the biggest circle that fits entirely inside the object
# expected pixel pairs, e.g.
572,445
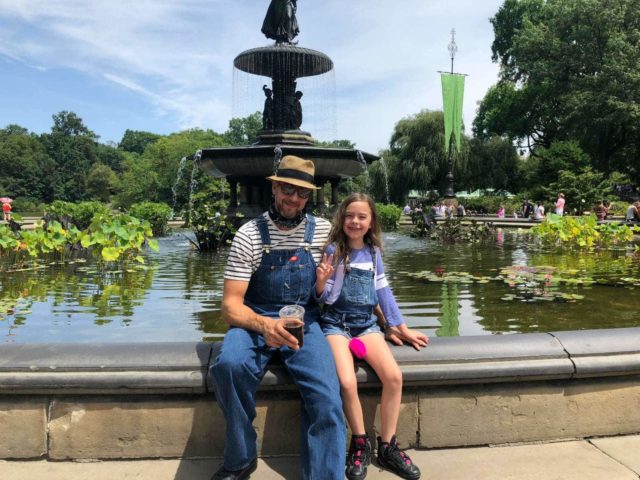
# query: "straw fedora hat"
296,171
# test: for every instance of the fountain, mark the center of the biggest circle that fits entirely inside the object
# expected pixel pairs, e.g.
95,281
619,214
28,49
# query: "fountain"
246,168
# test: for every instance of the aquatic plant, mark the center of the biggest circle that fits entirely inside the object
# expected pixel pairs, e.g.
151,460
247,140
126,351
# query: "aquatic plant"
581,232
110,238
452,230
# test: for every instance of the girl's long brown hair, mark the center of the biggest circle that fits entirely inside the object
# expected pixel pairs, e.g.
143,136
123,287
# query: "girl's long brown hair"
373,237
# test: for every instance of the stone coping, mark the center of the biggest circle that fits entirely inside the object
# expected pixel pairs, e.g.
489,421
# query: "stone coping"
182,367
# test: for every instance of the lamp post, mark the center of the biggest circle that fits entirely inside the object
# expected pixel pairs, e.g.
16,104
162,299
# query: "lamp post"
448,191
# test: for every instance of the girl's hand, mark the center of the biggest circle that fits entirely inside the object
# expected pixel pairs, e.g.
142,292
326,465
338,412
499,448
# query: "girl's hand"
324,270
402,334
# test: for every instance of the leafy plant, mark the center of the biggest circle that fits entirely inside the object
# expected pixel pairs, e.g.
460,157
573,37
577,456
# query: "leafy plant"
157,214
581,232
8,241
389,216
118,238
48,238
212,228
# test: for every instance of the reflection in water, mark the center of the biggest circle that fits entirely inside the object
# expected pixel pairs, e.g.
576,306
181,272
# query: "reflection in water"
466,290
449,310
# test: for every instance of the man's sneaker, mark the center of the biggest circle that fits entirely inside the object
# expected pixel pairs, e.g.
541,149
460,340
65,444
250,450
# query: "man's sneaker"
358,458
395,460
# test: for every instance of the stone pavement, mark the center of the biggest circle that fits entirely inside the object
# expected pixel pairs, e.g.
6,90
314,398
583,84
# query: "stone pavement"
611,458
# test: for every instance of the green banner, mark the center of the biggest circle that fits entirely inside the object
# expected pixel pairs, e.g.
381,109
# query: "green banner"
452,95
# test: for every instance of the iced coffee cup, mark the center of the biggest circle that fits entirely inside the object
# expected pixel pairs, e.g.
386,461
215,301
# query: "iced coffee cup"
293,319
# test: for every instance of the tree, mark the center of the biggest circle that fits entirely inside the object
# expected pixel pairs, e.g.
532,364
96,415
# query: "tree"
568,72
582,190
493,163
243,131
136,141
110,156
416,159
164,157
24,164
68,124
73,149
101,182
138,183
559,156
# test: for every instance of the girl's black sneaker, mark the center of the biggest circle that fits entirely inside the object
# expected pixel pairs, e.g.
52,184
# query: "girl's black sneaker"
395,460
358,458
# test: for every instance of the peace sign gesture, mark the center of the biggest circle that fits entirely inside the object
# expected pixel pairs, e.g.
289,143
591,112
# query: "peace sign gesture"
323,272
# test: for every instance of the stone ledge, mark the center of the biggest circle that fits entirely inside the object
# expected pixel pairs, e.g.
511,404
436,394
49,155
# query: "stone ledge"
171,367
89,401
602,352
183,367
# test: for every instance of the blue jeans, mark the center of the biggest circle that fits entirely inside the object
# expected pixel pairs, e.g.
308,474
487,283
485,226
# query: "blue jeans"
238,371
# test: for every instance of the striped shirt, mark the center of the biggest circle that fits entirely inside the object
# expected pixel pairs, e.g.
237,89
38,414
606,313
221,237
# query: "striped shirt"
246,250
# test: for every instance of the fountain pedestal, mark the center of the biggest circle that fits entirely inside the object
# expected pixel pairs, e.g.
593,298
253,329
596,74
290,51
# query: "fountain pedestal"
246,168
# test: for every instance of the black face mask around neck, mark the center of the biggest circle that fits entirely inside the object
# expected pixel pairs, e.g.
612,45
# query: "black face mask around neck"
282,222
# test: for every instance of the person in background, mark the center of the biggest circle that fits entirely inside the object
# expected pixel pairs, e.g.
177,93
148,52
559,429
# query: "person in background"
272,263
406,210
538,213
600,211
351,282
501,211
560,204
633,212
6,211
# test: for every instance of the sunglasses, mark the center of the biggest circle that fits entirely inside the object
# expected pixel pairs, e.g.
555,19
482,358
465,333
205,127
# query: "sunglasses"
289,190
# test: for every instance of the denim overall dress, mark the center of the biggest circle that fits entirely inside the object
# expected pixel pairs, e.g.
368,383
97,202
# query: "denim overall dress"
284,277
351,314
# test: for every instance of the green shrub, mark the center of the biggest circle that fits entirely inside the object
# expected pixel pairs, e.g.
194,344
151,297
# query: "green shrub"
27,205
489,204
157,214
389,216
79,214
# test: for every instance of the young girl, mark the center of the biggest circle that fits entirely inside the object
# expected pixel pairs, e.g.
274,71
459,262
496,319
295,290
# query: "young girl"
351,282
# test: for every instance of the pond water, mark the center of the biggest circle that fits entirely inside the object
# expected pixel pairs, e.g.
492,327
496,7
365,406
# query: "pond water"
505,286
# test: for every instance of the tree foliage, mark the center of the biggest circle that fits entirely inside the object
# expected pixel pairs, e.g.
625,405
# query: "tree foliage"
582,189
243,131
136,141
569,71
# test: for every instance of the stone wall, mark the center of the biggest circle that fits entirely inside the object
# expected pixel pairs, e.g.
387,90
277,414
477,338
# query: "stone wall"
155,400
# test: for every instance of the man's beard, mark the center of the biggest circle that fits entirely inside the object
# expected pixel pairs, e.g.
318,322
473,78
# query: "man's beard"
282,221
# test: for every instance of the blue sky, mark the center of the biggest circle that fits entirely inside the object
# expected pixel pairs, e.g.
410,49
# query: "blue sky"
167,65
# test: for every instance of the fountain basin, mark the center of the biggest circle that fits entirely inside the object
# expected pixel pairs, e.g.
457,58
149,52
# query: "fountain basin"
292,60
257,160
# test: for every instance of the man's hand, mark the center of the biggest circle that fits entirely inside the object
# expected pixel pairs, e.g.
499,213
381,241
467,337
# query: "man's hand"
275,335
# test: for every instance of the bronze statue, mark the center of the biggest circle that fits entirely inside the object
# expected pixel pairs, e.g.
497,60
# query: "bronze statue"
267,114
280,23
297,116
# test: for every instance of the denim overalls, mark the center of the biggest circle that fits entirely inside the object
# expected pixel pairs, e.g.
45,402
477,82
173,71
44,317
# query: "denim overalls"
352,313
283,277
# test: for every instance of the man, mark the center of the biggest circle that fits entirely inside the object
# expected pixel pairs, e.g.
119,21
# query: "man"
272,263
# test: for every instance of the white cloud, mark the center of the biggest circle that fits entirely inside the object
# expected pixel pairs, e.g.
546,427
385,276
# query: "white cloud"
178,54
